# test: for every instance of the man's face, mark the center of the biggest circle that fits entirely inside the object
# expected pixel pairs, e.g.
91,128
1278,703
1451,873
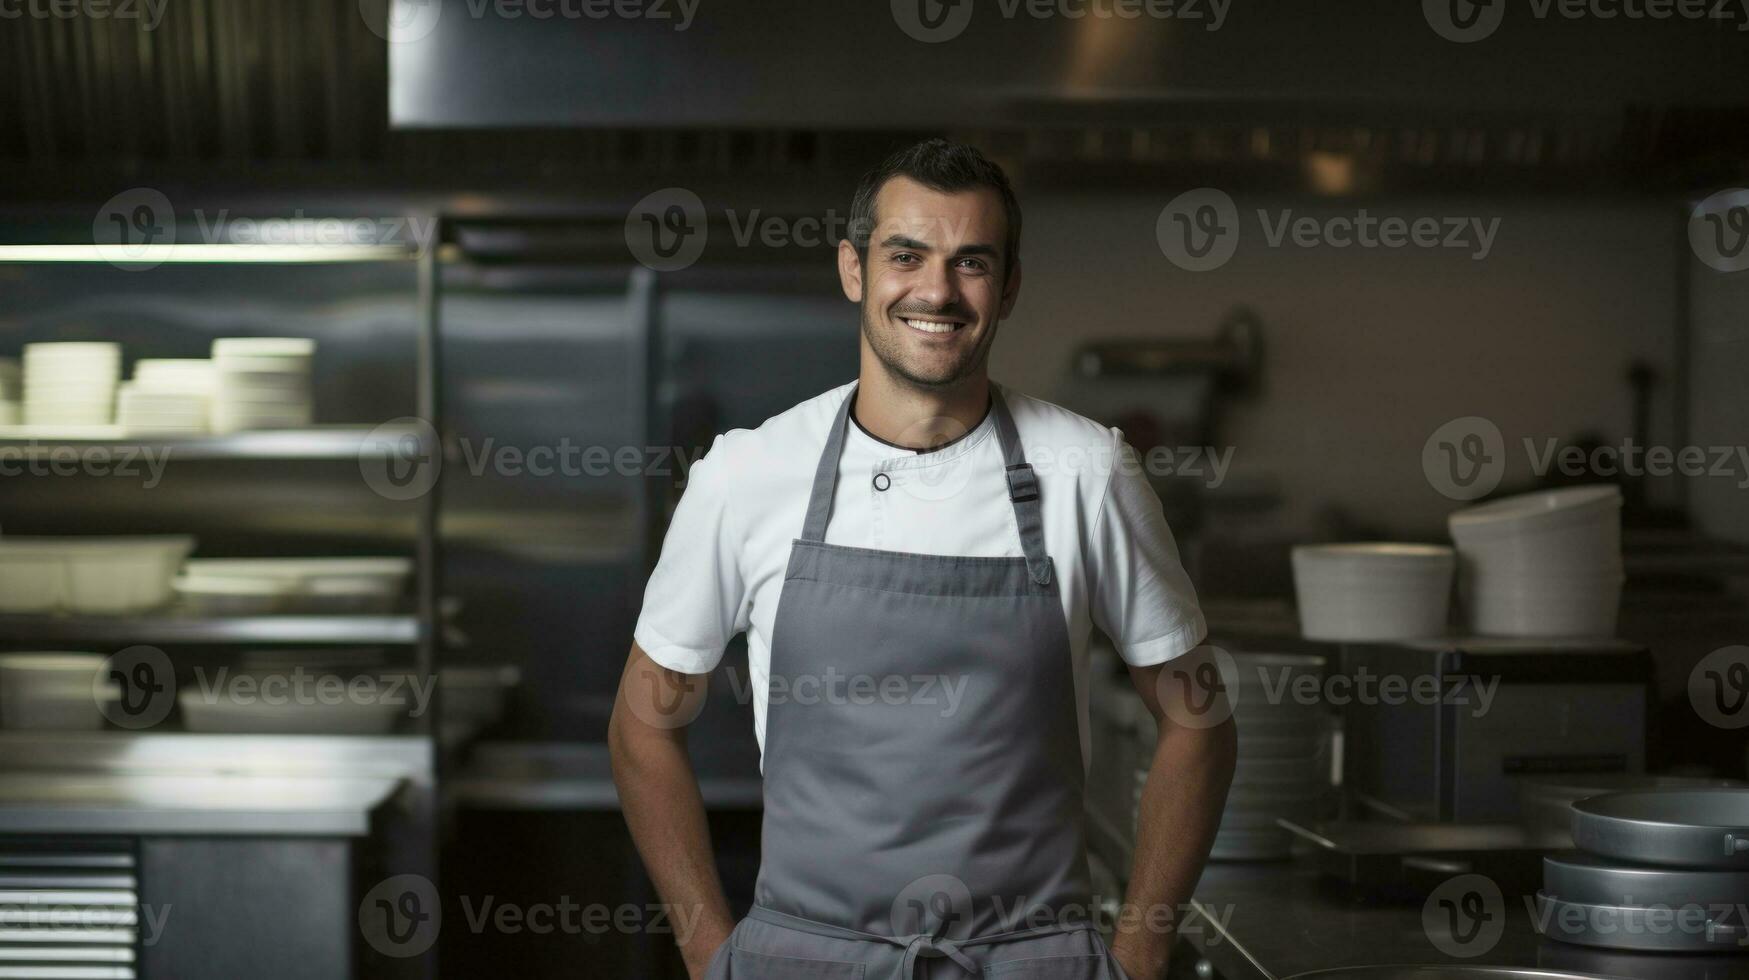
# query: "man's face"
933,288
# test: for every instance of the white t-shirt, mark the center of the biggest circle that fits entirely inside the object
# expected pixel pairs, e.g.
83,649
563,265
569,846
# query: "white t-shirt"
726,549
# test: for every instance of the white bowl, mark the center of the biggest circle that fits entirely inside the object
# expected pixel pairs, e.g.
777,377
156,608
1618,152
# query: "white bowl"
53,691
105,575
1373,592
1541,564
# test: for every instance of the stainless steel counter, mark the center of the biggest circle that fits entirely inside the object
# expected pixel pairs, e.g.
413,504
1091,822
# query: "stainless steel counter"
141,805
1266,921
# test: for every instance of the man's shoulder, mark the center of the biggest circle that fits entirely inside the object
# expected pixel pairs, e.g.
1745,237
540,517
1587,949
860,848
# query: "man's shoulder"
1047,426
790,438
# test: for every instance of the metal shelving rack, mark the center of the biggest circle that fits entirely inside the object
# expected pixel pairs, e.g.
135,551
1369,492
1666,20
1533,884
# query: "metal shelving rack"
415,849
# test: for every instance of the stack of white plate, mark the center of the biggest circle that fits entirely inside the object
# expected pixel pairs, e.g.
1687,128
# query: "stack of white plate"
54,691
144,410
262,383
1541,564
1361,593
11,391
1284,762
257,586
70,383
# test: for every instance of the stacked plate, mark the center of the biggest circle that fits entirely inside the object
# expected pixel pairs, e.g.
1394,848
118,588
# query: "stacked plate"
1368,593
1541,564
1657,870
259,586
168,396
70,383
262,383
1283,768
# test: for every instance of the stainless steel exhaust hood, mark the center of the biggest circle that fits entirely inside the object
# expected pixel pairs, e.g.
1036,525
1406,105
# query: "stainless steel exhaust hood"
920,64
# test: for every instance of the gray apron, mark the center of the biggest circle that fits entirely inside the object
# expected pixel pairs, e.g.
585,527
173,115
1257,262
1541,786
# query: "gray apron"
909,834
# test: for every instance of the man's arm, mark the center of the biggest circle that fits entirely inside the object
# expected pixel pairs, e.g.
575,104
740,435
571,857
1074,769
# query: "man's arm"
1180,808
658,792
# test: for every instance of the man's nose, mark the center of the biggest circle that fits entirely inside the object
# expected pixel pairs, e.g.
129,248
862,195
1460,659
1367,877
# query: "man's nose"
937,286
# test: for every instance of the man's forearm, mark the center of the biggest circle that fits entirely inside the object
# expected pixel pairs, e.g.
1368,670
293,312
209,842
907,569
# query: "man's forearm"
1180,811
659,795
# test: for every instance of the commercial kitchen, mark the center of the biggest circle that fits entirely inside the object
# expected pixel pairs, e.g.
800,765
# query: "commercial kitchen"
354,358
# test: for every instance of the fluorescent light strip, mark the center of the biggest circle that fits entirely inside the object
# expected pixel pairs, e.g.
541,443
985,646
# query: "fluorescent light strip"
158,254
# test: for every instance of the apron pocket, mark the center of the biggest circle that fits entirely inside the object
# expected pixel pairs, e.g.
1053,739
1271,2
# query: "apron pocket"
1079,966
747,965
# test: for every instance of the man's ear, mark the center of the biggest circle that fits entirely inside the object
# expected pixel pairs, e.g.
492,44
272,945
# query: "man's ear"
850,270
1011,290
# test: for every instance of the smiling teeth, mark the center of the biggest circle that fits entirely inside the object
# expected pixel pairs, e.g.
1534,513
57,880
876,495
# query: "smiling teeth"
930,326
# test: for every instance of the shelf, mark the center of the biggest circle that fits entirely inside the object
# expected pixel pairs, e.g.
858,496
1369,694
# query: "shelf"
402,629
339,442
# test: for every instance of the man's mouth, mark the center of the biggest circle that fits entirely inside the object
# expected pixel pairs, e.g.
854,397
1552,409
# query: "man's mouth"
932,326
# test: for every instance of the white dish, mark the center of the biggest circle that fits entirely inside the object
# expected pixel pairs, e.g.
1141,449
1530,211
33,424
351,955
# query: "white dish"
1541,564
1373,592
104,575
356,585
53,691
222,713
273,347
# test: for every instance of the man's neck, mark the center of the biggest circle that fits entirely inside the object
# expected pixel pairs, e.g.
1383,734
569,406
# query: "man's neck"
902,415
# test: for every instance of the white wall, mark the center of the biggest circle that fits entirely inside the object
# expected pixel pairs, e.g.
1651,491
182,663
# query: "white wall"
1368,351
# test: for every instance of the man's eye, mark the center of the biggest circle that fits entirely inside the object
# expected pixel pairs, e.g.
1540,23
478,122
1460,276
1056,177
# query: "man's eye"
904,258
973,265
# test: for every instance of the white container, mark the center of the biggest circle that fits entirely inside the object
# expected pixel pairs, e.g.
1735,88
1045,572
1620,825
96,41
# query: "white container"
1541,564
219,711
101,575
53,691
330,585
1373,592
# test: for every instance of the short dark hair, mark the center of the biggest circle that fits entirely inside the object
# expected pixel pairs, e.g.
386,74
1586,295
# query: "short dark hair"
945,166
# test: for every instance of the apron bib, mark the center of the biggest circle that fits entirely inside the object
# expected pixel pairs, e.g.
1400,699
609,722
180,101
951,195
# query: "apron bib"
923,772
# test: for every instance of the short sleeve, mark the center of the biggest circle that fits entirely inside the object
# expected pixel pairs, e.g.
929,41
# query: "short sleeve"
694,597
1139,592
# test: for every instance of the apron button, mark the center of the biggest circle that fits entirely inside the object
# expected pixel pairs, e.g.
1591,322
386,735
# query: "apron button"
882,481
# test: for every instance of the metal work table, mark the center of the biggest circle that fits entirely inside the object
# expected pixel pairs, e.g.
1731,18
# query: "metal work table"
150,805
1266,921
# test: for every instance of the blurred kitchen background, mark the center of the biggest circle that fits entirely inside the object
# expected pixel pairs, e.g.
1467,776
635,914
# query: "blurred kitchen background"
469,208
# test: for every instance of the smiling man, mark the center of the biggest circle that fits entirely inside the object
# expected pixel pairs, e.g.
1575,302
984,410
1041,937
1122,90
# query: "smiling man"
918,601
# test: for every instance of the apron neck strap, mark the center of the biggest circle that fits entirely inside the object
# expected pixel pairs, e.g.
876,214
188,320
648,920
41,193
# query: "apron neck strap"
1023,488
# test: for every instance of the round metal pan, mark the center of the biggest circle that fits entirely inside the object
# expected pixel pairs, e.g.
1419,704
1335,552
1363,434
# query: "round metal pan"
1575,876
1693,828
1442,972
1545,802
1555,955
1686,929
